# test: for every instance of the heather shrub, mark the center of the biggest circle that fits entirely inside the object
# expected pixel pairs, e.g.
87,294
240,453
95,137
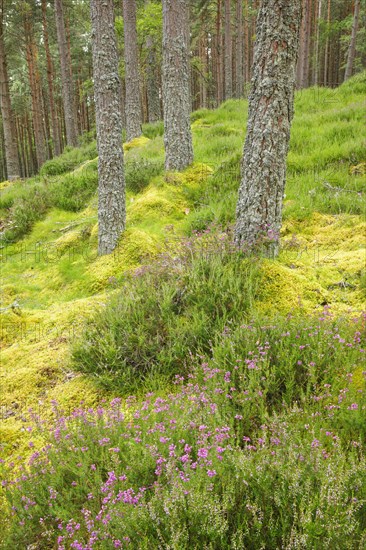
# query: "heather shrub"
168,311
69,159
74,190
139,174
205,466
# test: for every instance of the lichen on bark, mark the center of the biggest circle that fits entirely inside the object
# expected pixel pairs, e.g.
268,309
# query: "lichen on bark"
259,207
176,89
111,189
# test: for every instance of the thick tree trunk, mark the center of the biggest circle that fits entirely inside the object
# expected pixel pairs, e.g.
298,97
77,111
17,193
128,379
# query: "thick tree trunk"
66,78
152,82
176,92
111,190
239,50
10,137
50,79
133,101
352,45
228,52
259,208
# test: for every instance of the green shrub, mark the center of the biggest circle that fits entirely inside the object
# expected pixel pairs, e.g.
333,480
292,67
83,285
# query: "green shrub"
73,191
153,129
167,312
69,159
140,173
26,210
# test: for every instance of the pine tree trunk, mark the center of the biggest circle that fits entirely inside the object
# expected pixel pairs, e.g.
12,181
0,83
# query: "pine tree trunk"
317,68
228,52
247,42
66,78
259,208
133,101
36,93
10,137
111,190
239,50
219,75
152,86
50,80
352,45
306,54
326,53
176,80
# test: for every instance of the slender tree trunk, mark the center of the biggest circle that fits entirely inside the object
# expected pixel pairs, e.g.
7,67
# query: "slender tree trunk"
239,50
111,191
247,42
35,86
219,75
306,54
10,137
352,44
50,80
133,101
204,75
326,53
66,77
228,52
317,68
259,208
176,91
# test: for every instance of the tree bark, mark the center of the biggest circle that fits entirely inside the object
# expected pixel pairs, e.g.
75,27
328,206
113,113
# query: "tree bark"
228,52
176,91
326,53
152,83
133,101
259,208
352,45
66,78
35,87
219,75
111,190
10,136
306,54
50,79
317,68
239,50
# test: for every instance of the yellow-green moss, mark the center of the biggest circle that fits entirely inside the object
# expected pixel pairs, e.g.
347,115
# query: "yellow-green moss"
135,246
136,142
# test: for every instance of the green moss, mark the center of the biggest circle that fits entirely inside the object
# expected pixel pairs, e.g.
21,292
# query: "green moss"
136,142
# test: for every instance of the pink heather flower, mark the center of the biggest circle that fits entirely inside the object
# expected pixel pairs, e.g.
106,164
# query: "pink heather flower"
202,453
211,473
93,467
315,443
245,438
353,407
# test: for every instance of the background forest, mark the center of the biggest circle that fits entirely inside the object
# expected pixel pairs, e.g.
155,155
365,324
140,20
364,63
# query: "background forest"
222,34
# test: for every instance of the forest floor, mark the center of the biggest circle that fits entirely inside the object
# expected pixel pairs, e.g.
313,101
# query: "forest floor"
52,281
